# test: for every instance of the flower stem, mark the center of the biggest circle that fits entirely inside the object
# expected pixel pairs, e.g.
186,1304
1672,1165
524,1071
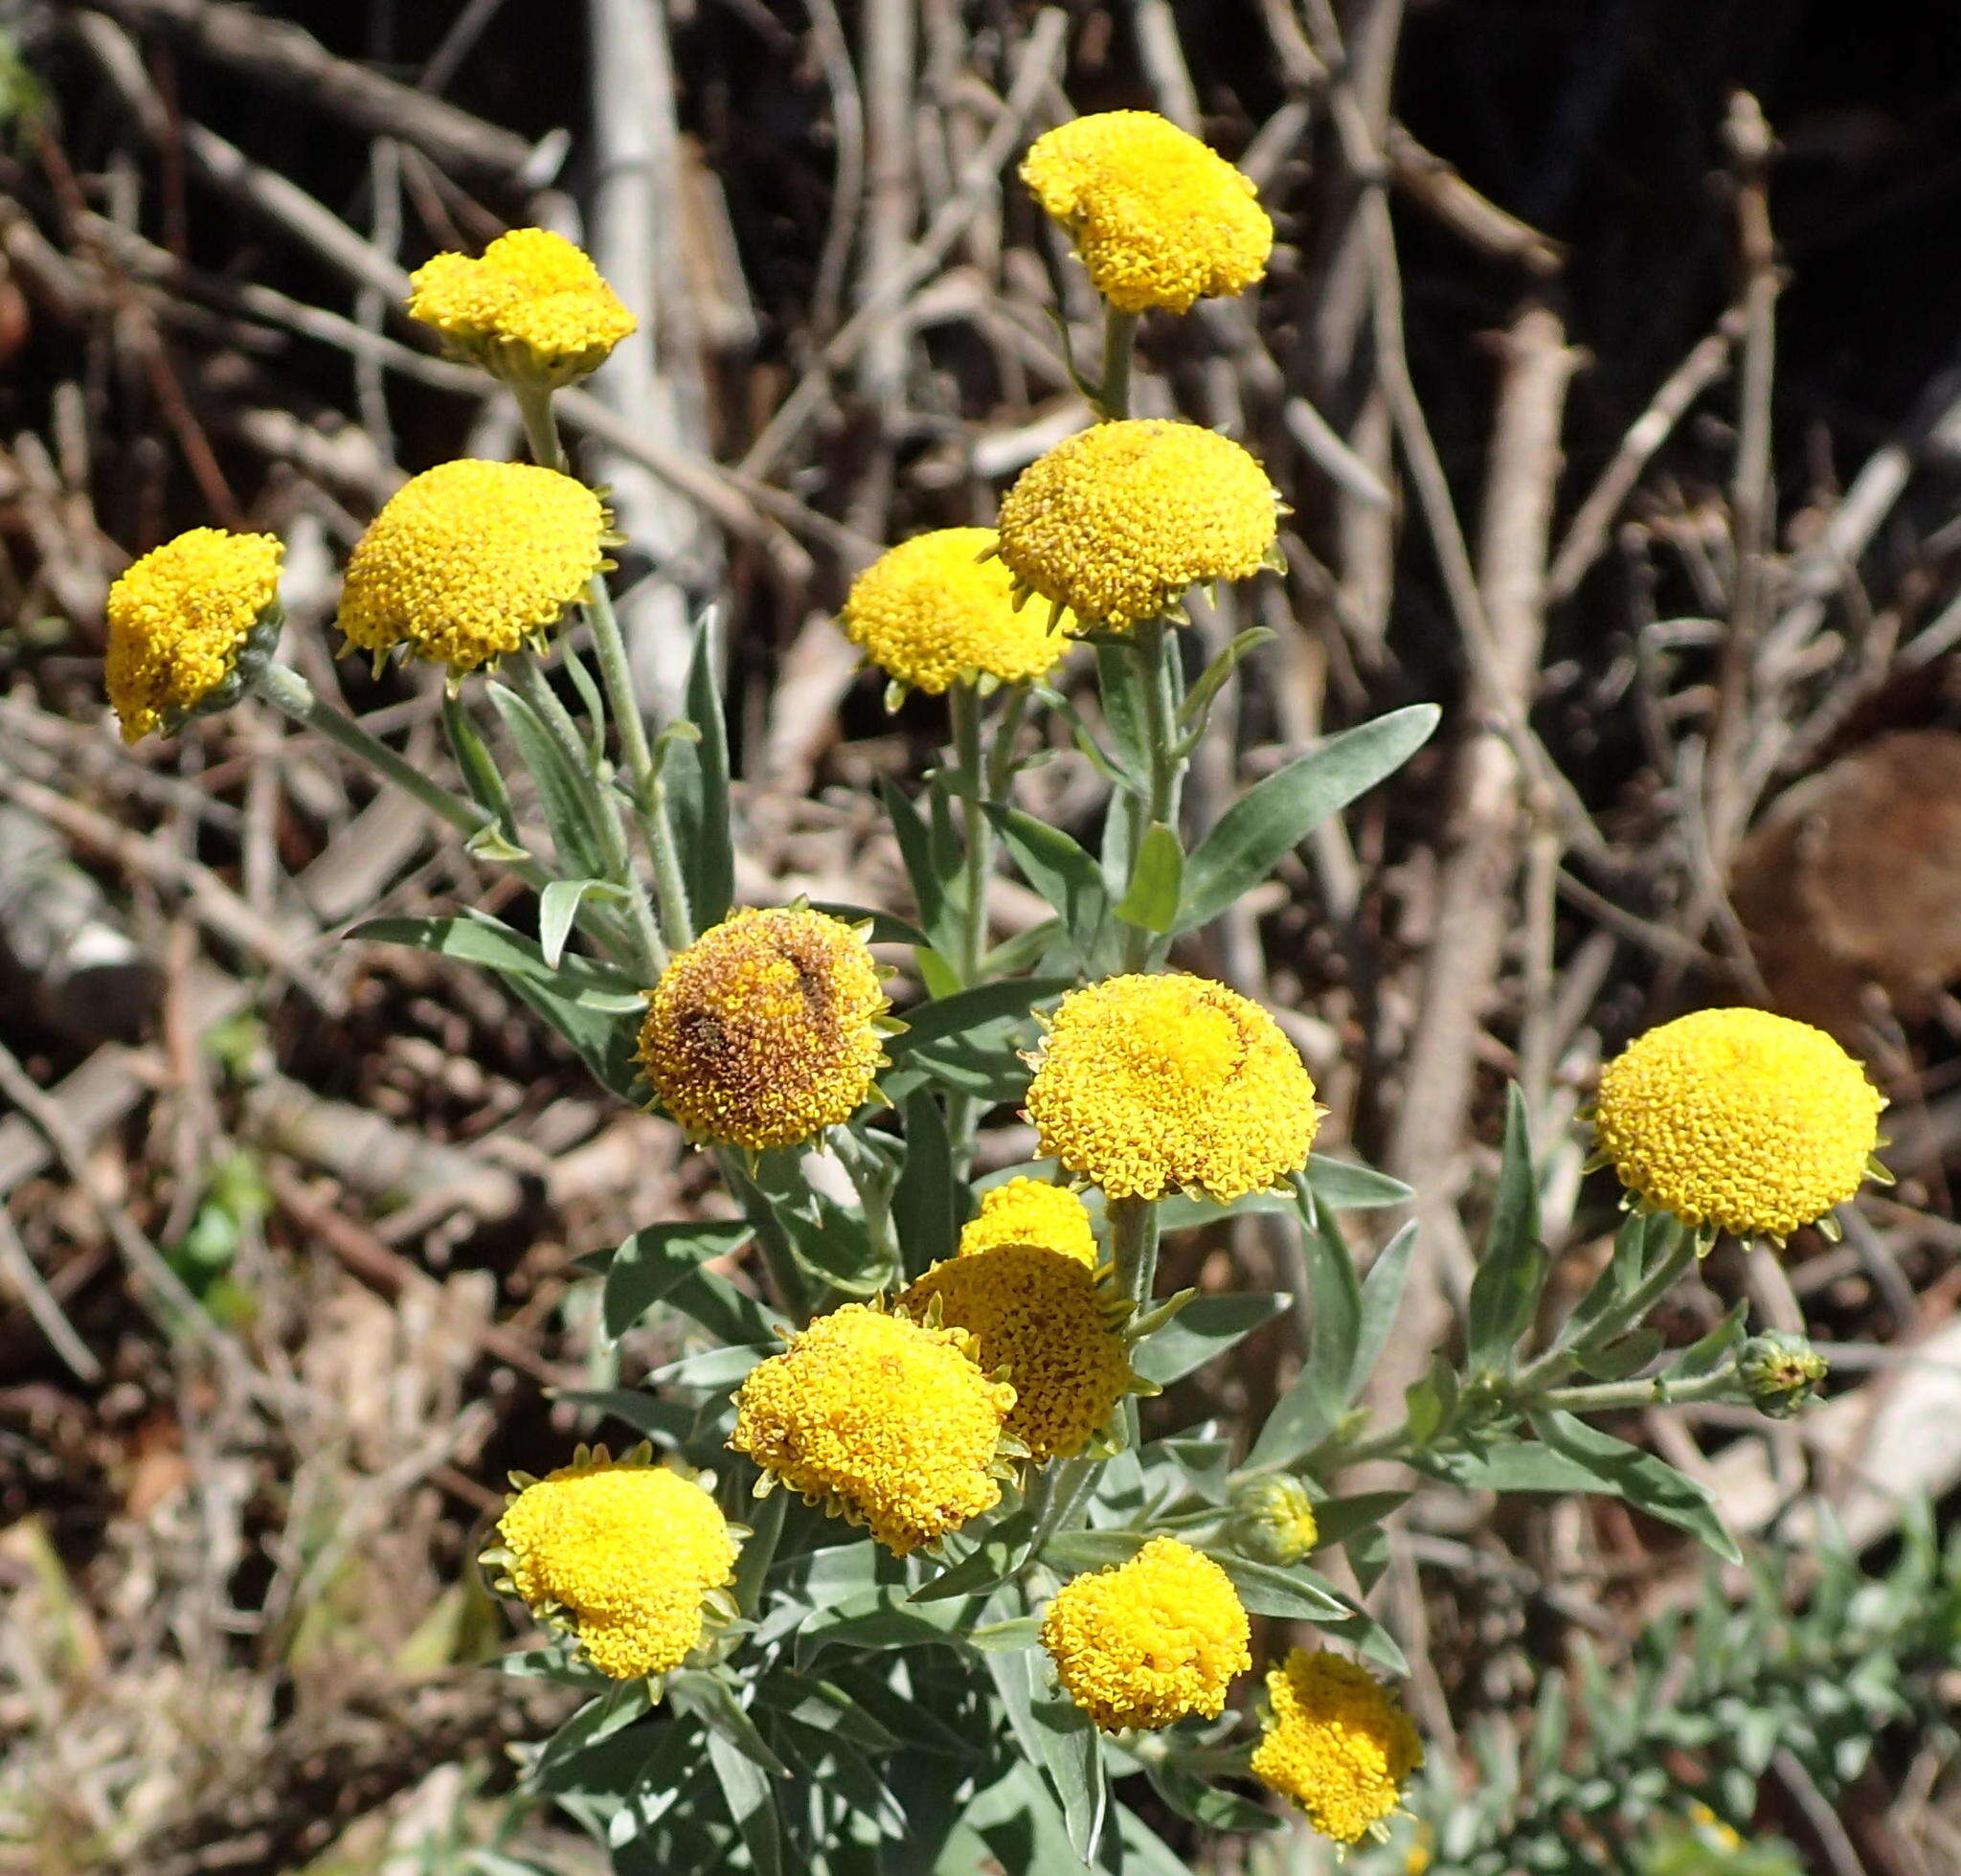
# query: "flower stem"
1154,651
1615,1396
963,702
1120,342
1133,1246
1557,1363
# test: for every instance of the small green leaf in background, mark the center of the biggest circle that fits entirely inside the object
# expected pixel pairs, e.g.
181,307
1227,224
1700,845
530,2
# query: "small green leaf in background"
926,1199
1152,901
652,1263
1203,1328
697,789
1504,1291
1643,1480
1308,1411
1344,1187
569,799
1066,877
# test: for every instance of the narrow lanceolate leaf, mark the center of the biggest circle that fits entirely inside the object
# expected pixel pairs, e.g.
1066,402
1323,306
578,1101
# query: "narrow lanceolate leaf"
1639,1478
1152,901
1382,1293
559,912
697,789
931,878
569,799
1308,1411
478,939
479,770
1274,816
927,1193
1065,876
972,1040
1201,1330
652,1263
1344,1187
1057,1735
1505,1292
1192,713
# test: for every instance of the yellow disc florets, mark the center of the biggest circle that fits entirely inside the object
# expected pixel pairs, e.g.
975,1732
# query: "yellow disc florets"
1149,1084
178,620
765,1030
467,561
881,1420
532,309
1118,520
931,611
626,1556
1150,1641
1738,1121
1158,218
1336,1744
1037,1314
1031,1212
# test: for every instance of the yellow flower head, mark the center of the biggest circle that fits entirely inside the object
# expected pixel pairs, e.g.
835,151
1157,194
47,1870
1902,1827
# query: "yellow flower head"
1273,1520
466,561
881,1420
1031,1212
1116,521
1150,1641
533,309
626,1556
1037,1314
1158,218
765,1030
178,620
931,611
1336,1744
1148,1084
1738,1121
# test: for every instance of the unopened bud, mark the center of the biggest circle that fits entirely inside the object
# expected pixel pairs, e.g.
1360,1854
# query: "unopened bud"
1781,1373
1273,1520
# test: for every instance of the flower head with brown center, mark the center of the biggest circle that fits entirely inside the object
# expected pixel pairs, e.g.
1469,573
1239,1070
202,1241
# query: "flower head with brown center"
881,1420
468,561
531,309
1031,1212
1738,1121
626,1556
931,611
1150,1640
179,619
1158,218
766,1029
1037,1315
1149,1084
1118,520
1336,1744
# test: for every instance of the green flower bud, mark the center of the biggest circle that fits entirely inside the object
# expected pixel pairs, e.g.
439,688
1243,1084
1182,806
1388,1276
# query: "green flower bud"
1273,1520
1781,1373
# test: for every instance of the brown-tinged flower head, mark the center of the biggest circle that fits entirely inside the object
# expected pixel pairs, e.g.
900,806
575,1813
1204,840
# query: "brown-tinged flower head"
1150,1084
881,1421
1038,1316
930,612
532,309
1118,520
766,1029
468,561
1781,1373
179,619
1738,1121
625,1555
1150,1640
1158,218
1031,1212
1336,1744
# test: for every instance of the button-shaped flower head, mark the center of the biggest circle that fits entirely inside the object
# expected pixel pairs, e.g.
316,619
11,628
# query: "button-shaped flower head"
1038,1315
179,621
1149,1641
1738,1121
881,1420
1158,218
1336,1744
1150,1084
627,1556
766,1029
930,612
1118,520
531,309
1031,1212
468,561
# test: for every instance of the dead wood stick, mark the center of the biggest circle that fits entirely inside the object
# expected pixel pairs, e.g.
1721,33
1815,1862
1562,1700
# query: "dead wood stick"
1432,182
286,58
1489,817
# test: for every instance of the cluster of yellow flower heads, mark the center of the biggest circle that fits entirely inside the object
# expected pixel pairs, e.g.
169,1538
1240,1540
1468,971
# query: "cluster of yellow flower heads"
1739,1120
532,308
1150,1084
1150,1640
1031,1212
1158,218
1336,1744
932,612
1118,521
1037,1316
178,619
766,1029
468,561
881,1420
628,1555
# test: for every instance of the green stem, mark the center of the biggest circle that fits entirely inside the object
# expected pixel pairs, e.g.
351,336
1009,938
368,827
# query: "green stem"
772,1241
1558,1363
963,704
1062,1485
1120,342
1616,1396
1133,1246
1153,650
